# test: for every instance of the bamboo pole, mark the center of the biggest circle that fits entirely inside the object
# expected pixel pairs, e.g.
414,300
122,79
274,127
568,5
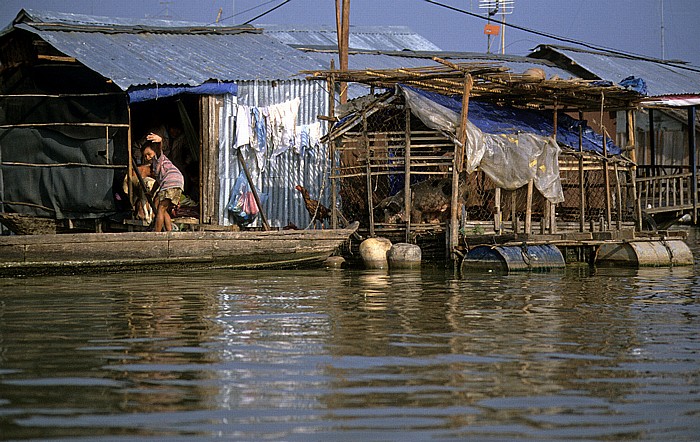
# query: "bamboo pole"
263,218
581,176
513,212
632,147
407,175
528,208
342,21
49,165
497,216
618,191
331,148
129,148
457,166
14,126
552,206
692,159
368,173
606,176
107,144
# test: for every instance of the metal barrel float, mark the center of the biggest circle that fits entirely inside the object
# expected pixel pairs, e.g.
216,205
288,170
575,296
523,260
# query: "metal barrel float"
656,253
513,258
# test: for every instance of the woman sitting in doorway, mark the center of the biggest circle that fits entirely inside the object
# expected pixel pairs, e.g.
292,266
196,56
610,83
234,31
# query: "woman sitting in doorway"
169,180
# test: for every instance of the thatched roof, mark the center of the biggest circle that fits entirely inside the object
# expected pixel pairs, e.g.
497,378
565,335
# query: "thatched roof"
496,83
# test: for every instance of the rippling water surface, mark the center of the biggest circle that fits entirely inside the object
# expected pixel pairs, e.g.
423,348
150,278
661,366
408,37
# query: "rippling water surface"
582,354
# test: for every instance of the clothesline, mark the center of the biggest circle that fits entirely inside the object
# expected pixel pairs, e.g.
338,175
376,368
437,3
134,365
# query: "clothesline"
272,130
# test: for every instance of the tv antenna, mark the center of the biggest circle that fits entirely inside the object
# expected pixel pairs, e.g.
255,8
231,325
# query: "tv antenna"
494,7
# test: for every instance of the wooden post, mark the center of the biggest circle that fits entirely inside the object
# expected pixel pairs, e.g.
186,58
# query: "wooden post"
130,168
514,212
528,208
581,176
545,217
107,144
618,191
497,216
692,159
407,175
652,143
331,149
606,176
552,206
457,166
342,21
632,147
368,171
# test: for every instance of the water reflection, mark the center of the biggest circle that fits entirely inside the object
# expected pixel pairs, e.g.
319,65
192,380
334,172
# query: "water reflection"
352,355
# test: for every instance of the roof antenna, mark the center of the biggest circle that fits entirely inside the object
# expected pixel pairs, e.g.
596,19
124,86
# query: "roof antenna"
663,44
493,7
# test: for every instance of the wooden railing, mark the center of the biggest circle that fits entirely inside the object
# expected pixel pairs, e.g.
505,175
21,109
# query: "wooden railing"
665,189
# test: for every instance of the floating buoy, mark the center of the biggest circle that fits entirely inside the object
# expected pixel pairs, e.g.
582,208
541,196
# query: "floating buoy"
513,258
374,252
655,253
404,256
334,262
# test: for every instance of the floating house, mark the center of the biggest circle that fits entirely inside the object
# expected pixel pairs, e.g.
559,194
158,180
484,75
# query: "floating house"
666,125
478,153
77,93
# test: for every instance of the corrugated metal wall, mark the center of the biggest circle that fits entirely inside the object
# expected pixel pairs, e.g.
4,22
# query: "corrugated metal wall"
284,204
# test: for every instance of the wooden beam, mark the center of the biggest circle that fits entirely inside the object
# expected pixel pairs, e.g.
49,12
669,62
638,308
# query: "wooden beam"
59,58
606,176
552,206
581,176
632,147
368,173
692,159
407,175
331,149
457,166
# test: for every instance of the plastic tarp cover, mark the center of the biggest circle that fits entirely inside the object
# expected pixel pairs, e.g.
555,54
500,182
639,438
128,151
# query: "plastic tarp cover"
154,92
510,160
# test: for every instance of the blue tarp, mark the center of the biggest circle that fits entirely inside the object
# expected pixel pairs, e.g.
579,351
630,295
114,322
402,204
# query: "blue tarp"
145,93
494,119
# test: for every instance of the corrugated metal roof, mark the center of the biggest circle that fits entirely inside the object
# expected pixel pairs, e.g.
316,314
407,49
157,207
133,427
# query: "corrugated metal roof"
661,77
382,38
139,57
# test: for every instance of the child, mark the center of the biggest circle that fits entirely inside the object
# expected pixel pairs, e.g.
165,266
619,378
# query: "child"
170,182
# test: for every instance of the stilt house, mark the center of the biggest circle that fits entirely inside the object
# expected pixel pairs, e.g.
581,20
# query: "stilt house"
666,125
468,149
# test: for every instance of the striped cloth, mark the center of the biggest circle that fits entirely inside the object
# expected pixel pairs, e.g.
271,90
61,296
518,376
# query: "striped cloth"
167,174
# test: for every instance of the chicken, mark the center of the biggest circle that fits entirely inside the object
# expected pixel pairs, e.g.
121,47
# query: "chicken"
317,211
430,202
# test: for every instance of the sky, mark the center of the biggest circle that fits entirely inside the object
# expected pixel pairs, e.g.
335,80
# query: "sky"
653,28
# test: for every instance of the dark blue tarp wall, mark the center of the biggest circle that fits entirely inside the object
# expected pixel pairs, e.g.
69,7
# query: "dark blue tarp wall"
153,92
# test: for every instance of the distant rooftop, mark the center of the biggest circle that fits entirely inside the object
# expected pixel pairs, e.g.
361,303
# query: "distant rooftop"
663,78
381,38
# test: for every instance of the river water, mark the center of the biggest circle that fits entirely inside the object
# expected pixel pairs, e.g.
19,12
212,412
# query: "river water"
580,354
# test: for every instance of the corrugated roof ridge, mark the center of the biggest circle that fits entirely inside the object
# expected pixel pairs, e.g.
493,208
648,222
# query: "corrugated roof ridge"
619,54
60,21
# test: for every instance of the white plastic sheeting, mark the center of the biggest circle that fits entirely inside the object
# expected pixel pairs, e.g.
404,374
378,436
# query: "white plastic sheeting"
510,160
